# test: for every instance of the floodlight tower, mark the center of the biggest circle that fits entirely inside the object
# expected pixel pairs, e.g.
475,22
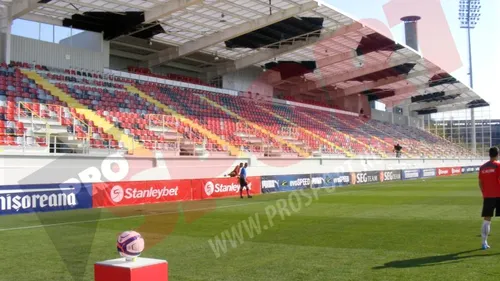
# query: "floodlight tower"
469,14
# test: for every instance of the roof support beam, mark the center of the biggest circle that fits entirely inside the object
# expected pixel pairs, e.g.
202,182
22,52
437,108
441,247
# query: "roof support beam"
166,9
269,53
406,92
333,79
226,34
133,46
382,82
463,98
23,7
452,107
387,81
184,67
126,55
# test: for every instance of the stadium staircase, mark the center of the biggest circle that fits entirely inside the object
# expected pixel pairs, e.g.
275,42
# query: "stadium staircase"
130,144
300,152
347,136
308,132
233,151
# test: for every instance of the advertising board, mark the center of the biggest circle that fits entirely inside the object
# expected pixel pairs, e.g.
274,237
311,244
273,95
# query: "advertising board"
285,183
18,199
140,192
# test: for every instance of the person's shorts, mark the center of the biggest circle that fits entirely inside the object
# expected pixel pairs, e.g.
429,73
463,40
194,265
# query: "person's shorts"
243,183
491,206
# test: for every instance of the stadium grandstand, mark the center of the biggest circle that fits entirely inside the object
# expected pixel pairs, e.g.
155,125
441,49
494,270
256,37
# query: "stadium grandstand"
284,78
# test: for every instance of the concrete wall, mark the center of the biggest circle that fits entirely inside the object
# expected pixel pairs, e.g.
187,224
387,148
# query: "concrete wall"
173,70
382,116
249,79
385,116
354,103
91,41
120,63
56,55
51,169
416,122
400,119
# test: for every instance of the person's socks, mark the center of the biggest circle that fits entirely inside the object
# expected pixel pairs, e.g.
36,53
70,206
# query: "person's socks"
485,231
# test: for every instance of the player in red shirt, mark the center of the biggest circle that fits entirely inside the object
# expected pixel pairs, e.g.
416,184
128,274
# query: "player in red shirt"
489,182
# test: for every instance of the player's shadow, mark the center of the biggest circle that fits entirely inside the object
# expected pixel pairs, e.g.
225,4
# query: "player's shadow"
434,260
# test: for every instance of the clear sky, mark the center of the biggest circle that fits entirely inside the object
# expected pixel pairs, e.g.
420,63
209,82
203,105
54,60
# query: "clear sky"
45,32
485,44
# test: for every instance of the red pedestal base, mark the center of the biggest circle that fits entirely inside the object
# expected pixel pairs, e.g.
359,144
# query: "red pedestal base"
142,269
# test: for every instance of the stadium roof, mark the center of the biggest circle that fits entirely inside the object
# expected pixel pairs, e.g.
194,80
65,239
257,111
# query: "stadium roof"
222,36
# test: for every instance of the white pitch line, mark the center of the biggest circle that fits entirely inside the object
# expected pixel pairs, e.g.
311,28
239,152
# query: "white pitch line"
156,214
120,218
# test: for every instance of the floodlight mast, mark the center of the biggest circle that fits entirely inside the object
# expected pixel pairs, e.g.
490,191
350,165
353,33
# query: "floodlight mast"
469,17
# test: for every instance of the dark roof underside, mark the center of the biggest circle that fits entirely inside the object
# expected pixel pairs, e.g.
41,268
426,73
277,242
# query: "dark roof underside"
274,33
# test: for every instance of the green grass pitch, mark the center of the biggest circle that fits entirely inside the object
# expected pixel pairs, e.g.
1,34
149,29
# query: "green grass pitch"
405,230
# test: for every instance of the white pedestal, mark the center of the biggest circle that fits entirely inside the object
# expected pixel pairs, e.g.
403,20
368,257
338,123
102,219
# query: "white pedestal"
142,269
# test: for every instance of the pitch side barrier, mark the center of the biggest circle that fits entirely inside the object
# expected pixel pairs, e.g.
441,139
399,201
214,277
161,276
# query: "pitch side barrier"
281,183
21,199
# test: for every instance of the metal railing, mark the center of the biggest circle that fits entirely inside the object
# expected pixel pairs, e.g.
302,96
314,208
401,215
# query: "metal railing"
165,123
44,113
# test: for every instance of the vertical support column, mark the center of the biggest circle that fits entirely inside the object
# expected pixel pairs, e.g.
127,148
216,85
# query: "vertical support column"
435,128
473,137
443,123
8,38
392,115
3,25
451,128
5,33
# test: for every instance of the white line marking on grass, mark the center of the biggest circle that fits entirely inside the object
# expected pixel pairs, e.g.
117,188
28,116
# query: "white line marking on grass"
120,218
163,213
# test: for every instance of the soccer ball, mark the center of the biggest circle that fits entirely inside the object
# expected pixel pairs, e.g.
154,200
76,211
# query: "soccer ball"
130,244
